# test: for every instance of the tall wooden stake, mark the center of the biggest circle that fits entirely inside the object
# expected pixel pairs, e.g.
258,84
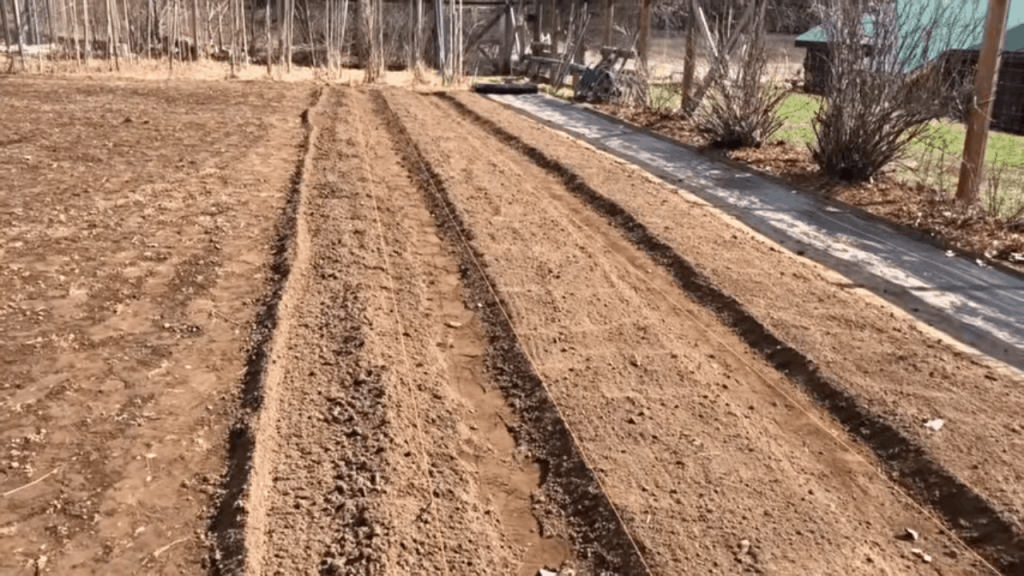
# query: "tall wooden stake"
689,60
984,95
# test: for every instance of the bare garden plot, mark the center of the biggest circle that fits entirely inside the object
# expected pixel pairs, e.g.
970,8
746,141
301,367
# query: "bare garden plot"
675,414
454,364
135,228
876,356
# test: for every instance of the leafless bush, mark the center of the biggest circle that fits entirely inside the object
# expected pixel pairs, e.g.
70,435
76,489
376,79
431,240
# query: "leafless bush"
885,82
741,109
632,88
997,200
398,23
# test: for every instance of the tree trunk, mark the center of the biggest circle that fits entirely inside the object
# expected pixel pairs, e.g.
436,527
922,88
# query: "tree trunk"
270,59
7,31
33,26
234,35
172,38
127,38
7,26
245,33
207,29
49,21
149,29
112,34
280,29
341,35
195,31
17,33
74,27
220,30
88,38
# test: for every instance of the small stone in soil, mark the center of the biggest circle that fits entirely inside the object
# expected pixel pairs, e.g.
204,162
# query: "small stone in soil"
920,554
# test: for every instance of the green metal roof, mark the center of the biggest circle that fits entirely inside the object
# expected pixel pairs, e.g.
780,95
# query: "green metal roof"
1014,36
912,18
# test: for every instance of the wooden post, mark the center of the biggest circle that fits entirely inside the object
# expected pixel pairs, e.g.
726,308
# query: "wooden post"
645,32
984,94
689,61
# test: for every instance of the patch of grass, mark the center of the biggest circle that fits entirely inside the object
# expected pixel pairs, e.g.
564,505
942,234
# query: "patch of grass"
797,112
935,157
663,97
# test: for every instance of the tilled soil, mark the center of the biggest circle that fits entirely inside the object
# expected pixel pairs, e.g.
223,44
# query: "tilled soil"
458,365
709,456
136,222
382,447
875,355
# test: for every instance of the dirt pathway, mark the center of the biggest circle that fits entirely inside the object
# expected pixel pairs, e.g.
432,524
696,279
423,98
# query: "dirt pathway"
713,466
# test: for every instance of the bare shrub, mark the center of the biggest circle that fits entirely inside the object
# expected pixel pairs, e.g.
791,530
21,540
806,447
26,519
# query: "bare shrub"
886,80
996,199
741,109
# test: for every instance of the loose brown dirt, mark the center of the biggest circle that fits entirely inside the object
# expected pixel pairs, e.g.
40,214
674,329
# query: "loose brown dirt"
136,221
899,368
378,337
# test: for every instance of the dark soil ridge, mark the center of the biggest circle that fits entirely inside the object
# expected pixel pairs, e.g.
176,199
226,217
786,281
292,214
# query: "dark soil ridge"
602,542
227,523
967,514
